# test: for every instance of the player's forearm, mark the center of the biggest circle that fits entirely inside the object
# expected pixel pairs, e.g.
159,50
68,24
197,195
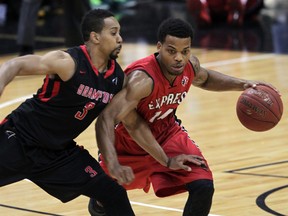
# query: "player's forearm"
143,136
8,71
221,82
105,140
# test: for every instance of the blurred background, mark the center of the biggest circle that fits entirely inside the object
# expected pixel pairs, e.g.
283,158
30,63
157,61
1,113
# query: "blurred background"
251,25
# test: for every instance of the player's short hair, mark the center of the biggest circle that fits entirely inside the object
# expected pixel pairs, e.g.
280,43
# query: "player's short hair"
93,20
175,27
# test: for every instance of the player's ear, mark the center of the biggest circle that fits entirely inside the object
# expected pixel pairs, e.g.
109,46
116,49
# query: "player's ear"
95,37
159,45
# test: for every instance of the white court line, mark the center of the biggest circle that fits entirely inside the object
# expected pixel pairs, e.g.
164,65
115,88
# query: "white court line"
161,207
11,102
209,64
238,60
155,206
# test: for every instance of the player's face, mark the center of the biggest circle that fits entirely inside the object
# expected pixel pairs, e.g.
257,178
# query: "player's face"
111,39
174,54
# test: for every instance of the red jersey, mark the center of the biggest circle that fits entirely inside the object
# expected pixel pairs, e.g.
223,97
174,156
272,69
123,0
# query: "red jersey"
159,108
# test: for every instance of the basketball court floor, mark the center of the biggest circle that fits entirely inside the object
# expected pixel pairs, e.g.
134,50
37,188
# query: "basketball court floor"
250,168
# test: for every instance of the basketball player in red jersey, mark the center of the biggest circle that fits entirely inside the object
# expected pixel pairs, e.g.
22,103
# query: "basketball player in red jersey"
157,84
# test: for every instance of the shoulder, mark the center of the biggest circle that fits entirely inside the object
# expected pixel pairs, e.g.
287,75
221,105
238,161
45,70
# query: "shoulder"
57,55
195,63
201,74
140,83
139,75
59,62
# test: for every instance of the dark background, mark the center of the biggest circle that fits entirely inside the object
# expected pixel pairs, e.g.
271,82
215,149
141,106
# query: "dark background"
139,21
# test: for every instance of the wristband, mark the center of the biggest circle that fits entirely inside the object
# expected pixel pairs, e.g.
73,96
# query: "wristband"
168,162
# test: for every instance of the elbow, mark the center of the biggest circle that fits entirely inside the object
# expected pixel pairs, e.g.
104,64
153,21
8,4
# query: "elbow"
105,118
133,123
130,127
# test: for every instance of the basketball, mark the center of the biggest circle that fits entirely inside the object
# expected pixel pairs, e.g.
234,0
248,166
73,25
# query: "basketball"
260,108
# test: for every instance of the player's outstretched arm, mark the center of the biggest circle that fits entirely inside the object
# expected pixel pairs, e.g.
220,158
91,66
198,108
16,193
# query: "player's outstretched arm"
215,81
54,62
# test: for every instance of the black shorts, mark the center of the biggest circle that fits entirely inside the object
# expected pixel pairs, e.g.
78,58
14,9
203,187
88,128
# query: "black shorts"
64,174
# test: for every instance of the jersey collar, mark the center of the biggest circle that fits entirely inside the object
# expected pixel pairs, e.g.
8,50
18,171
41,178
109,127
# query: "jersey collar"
111,65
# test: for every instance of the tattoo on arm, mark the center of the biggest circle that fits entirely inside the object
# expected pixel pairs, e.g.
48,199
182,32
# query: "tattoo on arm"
201,74
197,68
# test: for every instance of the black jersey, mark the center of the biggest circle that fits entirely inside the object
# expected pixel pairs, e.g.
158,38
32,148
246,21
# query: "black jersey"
60,110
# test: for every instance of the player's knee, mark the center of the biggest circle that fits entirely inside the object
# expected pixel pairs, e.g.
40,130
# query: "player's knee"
119,198
117,194
120,193
200,198
202,187
116,204
106,190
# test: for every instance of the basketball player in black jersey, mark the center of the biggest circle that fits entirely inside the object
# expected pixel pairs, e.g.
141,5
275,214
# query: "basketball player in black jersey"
37,138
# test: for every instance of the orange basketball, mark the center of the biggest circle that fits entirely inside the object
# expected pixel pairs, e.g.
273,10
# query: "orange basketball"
259,109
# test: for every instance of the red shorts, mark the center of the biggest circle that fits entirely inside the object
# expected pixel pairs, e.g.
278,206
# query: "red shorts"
147,170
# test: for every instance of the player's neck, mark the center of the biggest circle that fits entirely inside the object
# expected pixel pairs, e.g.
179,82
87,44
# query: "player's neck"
98,60
165,73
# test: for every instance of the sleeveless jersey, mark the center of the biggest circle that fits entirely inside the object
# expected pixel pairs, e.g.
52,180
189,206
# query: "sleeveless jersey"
159,108
60,110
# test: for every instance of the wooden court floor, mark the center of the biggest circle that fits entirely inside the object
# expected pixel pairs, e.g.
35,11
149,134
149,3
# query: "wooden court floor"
250,168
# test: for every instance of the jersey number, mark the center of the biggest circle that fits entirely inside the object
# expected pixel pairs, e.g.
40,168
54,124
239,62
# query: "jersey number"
90,171
81,115
158,115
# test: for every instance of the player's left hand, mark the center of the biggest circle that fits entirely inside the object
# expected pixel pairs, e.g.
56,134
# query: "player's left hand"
180,162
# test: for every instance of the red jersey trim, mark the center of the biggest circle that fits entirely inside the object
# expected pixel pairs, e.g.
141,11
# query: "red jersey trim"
3,121
110,70
55,90
108,73
44,89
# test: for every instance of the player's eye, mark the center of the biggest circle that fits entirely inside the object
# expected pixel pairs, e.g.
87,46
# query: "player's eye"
186,52
170,51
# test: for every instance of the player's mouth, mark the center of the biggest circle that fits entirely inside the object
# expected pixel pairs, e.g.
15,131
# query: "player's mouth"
178,68
118,49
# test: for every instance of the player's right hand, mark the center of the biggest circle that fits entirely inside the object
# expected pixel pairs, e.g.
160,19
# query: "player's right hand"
181,162
123,174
